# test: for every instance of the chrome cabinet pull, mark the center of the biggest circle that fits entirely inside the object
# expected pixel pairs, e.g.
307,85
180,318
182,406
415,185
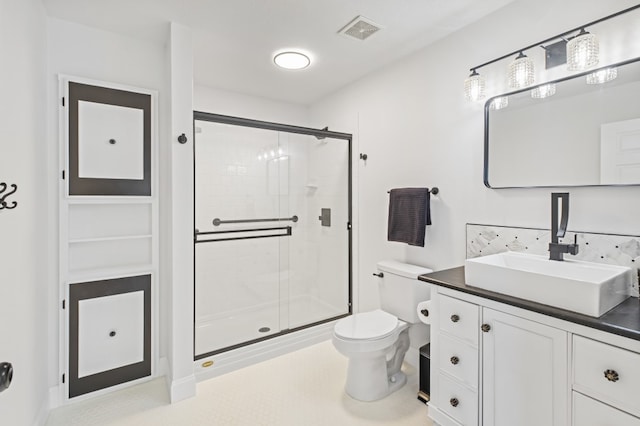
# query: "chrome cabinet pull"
454,402
455,318
454,360
611,375
485,328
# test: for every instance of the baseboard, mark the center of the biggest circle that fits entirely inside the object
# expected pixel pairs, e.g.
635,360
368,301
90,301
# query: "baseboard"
248,355
183,388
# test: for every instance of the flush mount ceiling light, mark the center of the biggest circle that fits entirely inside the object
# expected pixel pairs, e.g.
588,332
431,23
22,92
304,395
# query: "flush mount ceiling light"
520,72
602,76
583,51
291,60
474,87
544,91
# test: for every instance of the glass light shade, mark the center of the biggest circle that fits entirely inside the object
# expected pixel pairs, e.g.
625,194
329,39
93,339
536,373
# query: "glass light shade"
520,72
292,60
583,51
499,103
474,87
602,76
545,91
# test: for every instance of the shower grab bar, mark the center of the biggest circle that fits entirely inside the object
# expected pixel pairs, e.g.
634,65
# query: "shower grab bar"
217,221
250,237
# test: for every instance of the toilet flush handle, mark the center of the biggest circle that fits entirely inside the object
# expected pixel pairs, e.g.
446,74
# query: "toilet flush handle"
380,275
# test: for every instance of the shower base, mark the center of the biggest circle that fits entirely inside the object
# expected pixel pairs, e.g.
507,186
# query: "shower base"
231,328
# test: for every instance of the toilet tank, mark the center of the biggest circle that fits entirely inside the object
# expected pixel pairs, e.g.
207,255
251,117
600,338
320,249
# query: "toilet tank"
400,289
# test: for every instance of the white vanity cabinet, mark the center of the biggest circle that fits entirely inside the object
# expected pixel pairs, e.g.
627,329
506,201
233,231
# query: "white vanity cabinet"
493,368
495,364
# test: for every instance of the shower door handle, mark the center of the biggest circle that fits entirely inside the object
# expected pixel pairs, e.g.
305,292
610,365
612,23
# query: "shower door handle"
217,221
242,234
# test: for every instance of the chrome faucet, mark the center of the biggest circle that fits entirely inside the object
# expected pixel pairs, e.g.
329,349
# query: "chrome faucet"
558,228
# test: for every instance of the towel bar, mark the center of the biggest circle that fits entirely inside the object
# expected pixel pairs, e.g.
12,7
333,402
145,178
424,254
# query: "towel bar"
433,190
217,221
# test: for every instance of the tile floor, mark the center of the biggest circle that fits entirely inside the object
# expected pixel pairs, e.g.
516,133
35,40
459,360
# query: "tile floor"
303,388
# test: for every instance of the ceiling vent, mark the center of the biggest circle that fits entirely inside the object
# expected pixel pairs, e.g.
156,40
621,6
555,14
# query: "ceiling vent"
360,28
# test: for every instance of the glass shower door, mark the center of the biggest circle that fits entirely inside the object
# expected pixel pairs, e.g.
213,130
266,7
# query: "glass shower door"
264,262
319,254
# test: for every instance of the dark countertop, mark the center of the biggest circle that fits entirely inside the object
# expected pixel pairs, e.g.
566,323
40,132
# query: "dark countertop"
623,320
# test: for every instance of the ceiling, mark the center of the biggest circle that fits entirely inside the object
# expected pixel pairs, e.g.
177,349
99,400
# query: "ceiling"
234,40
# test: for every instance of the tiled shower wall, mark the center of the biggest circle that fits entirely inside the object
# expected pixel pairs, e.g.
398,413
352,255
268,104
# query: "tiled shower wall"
623,250
247,173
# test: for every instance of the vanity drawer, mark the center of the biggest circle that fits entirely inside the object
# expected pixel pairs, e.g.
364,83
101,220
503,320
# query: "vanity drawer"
458,401
608,373
459,360
589,412
458,318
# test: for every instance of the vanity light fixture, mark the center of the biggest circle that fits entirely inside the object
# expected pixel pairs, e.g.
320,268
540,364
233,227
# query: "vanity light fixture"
520,72
583,51
544,91
292,60
474,86
499,103
602,76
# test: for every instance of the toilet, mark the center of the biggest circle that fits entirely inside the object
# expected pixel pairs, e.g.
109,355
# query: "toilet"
376,342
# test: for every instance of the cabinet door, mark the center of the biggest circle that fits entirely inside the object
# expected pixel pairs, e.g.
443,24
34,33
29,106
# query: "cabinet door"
109,333
525,372
109,141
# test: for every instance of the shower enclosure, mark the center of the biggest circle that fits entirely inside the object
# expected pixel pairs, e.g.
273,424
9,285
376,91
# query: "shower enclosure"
273,230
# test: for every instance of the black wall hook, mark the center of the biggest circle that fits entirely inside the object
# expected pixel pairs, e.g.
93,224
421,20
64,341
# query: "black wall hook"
3,203
6,375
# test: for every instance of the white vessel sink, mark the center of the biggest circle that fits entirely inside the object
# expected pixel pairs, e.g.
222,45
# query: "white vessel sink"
583,287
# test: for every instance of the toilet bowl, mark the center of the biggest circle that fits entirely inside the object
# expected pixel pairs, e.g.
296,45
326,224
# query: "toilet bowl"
376,342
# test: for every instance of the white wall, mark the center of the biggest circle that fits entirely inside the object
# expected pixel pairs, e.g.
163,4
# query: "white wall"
180,350
224,102
413,122
23,232
87,52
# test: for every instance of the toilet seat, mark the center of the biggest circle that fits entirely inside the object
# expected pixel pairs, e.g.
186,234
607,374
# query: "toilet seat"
372,325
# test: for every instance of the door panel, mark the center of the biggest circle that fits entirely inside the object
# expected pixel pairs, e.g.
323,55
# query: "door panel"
524,372
273,266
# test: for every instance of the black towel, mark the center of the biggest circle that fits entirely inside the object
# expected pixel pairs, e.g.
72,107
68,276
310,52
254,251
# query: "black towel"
409,213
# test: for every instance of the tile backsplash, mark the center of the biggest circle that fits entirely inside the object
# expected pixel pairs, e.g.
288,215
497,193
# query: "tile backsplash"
623,250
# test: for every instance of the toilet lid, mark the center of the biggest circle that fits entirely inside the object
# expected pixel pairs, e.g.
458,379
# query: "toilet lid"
366,326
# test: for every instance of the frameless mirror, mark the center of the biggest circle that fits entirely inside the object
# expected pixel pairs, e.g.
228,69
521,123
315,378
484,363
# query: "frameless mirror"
583,135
